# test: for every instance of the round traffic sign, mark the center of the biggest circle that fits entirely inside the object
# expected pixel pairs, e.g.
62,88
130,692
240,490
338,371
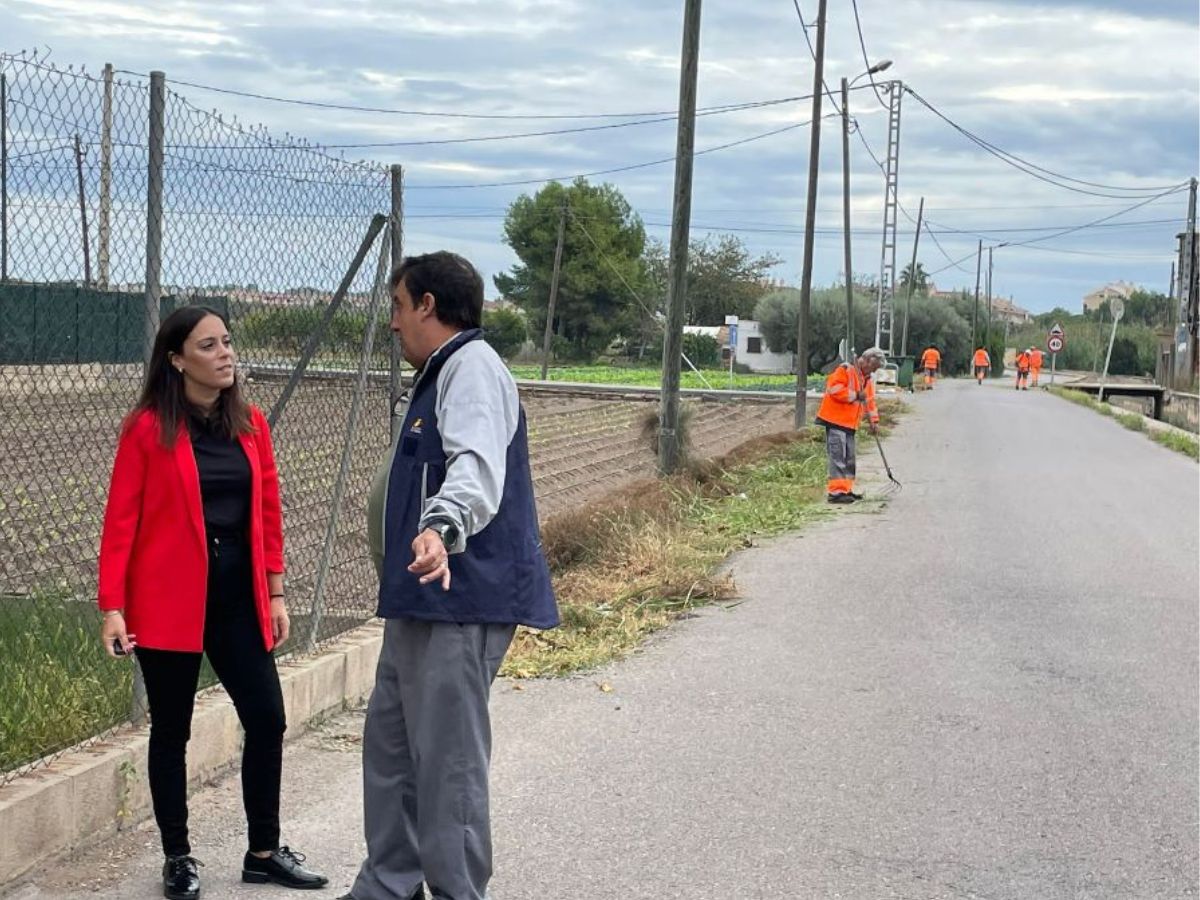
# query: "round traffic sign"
1055,344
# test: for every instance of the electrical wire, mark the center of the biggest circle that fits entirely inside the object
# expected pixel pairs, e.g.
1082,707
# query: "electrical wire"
441,114
866,59
1029,168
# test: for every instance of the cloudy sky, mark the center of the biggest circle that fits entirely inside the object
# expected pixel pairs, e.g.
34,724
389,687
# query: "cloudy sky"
1104,92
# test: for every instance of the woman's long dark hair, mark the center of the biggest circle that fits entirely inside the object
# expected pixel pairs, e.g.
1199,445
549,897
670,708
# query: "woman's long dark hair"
162,391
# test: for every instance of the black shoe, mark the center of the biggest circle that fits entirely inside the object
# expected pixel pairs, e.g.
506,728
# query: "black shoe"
840,498
180,879
856,495
281,867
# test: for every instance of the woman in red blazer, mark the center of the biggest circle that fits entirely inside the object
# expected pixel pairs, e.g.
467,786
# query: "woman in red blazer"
191,562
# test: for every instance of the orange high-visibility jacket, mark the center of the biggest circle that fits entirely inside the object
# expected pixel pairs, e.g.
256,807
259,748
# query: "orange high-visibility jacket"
931,358
836,407
1023,361
982,358
1036,358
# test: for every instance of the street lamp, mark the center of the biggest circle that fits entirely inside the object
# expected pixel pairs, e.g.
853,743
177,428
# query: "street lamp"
878,67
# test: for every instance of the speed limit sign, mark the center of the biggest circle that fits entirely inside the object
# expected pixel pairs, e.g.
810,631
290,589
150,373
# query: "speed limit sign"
1055,343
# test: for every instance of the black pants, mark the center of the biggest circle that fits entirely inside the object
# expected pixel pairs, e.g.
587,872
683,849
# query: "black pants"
234,645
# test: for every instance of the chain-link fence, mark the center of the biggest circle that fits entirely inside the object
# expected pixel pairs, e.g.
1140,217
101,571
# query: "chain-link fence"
121,201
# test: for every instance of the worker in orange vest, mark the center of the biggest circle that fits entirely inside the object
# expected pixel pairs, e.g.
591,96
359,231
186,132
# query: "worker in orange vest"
1035,365
930,360
982,362
848,390
1023,363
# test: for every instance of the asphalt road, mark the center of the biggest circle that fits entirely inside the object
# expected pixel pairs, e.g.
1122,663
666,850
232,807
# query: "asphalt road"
984,688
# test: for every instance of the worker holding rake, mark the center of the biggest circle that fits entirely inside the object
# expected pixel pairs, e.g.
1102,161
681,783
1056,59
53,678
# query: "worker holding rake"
849,390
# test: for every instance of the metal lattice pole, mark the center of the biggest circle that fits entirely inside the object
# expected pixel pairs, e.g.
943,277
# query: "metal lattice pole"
885,302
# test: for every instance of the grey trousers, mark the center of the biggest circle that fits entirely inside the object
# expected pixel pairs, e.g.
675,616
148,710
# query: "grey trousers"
427,745
839,445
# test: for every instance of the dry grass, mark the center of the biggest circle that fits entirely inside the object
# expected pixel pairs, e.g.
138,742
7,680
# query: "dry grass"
628,564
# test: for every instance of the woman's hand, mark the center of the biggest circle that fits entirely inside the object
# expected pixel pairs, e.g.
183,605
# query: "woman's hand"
112,628
281,625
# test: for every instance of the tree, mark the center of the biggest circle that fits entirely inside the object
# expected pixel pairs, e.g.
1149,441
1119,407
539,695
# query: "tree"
504,329
920,281
777,314
594,302
723,278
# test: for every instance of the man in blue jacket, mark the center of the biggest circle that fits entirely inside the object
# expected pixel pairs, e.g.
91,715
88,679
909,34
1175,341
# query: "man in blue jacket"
454,533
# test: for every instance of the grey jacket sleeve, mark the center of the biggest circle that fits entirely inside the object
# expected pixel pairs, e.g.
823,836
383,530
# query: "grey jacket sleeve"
477,410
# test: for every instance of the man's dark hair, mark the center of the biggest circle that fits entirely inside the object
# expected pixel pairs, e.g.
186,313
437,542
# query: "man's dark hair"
455,284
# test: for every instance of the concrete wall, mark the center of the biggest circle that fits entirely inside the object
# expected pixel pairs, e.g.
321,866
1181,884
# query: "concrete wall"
89,793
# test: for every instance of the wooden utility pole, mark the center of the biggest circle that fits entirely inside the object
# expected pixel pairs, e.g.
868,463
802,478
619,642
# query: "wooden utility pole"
810,218
668,418
558,248
846,220
975,314
912,278
987,333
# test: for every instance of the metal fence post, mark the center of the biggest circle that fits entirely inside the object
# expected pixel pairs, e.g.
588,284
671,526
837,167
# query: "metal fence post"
139,705
378,292
396,233
3,176
103,219
154,194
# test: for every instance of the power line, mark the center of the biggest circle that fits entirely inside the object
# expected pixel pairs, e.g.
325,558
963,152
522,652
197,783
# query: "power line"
1036,171
629,168
441,114
866,59
804,26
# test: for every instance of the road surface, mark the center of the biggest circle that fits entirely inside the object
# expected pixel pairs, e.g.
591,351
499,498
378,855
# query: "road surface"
986,688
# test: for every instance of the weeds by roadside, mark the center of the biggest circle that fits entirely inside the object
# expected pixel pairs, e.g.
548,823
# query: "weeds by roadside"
1174,440
629,564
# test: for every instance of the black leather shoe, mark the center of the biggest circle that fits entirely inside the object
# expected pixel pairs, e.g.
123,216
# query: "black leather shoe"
282,867
181,880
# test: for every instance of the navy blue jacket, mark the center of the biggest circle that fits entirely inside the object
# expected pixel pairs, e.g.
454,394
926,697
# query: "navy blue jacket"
501,576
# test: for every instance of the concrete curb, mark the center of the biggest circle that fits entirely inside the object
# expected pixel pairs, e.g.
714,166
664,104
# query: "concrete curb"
91,792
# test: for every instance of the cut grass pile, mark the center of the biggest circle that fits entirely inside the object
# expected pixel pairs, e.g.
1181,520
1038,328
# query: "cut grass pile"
629,564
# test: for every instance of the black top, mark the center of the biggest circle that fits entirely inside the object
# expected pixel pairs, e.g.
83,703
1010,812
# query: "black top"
224,478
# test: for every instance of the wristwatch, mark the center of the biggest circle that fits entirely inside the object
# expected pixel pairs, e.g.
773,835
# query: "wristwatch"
446,530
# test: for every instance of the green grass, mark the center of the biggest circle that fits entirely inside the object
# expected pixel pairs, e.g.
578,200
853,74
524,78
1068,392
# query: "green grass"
1181,443
652,377
57,685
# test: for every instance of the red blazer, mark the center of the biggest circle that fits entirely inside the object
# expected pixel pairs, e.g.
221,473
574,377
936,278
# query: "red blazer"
153,552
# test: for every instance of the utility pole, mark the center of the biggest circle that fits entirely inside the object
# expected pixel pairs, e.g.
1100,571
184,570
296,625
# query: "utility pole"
975,314
83,223
885,304
668,417
810,218
396,242
1189,279
104,217
988,329
558,248
846,219
912,278
1169,380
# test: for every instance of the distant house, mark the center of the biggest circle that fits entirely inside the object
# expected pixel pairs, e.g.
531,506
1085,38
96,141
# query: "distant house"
751,350
1122,289
1006,311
